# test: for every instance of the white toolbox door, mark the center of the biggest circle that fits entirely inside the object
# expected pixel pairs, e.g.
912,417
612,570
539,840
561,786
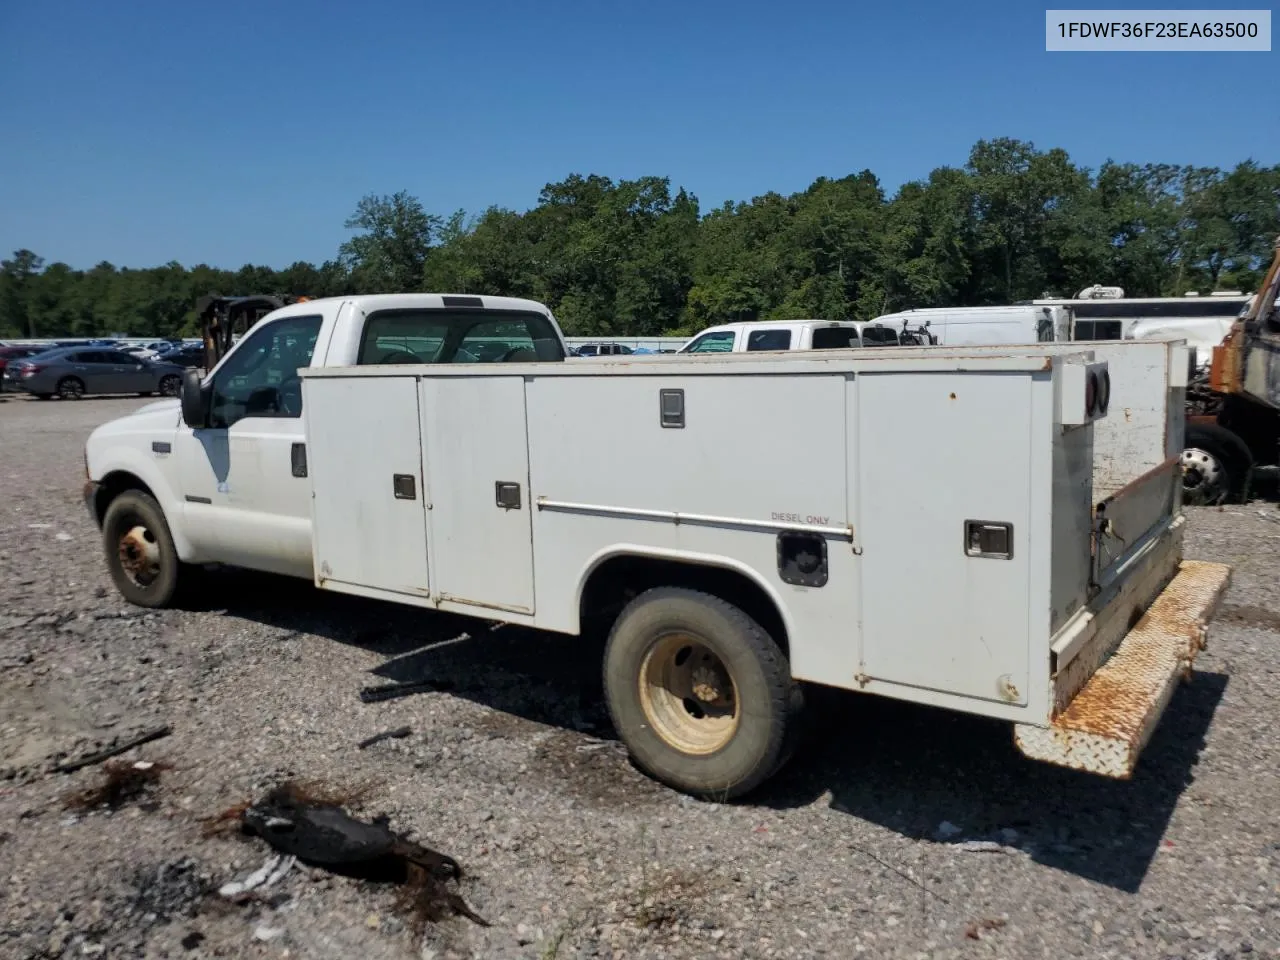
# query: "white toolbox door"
365,461
936,450
475,437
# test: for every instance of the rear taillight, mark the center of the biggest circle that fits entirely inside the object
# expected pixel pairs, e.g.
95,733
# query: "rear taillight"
30,370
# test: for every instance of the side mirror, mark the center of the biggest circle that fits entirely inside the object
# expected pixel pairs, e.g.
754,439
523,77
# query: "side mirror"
195,397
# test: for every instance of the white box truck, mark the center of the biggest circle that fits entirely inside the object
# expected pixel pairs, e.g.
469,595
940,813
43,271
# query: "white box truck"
745,522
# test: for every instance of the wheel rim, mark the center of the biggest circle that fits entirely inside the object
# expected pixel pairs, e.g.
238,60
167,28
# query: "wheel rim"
71,389
1203,477
139,555
169,386
688,696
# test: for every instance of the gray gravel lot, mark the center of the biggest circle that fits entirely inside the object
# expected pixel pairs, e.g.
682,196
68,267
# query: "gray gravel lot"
511,768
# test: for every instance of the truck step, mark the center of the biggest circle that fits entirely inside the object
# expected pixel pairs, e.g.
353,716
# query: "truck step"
1111,719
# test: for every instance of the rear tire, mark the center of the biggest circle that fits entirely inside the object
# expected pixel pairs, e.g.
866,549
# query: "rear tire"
139,550
1216,466
170,386
700,694
70,388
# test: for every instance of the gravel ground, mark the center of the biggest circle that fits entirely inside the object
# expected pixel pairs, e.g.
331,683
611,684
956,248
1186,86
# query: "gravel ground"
861,848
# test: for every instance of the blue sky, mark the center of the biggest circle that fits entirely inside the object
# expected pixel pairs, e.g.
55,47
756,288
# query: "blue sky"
234,132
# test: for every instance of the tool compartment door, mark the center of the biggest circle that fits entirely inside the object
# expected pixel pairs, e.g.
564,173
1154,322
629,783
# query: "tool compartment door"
937,453
364,457
474,438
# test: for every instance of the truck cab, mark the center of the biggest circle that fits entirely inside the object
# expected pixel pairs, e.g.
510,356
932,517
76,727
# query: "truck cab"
234,488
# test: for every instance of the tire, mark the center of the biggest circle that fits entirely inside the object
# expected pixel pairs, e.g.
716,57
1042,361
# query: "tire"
143,563
70,388
1216,466
668,633
170,385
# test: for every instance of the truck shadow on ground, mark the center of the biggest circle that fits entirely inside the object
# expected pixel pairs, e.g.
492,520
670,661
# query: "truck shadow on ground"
904,767
911,768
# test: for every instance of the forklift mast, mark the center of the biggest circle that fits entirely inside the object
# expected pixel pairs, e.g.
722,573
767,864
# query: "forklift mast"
224,319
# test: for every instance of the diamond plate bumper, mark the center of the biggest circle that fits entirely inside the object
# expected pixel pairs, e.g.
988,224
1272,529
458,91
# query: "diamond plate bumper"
1106,725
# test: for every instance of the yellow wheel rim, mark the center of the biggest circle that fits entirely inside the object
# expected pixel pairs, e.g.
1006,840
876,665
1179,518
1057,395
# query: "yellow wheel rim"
688,696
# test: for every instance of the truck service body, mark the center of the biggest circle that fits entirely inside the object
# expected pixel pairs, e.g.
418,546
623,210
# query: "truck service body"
743,522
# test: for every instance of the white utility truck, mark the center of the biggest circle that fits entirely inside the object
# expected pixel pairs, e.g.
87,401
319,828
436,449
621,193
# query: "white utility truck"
746,522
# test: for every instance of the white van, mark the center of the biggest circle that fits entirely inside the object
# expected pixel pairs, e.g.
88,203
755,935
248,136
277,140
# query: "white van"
791,335
969,326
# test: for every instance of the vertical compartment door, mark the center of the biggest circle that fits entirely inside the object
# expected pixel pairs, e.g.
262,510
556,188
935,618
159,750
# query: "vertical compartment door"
476,446
945,603
364,457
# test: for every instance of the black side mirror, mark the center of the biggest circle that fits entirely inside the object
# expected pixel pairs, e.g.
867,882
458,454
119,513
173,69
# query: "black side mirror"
195,400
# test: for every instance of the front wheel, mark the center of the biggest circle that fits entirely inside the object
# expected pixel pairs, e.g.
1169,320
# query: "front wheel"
170,386
139,549
700,694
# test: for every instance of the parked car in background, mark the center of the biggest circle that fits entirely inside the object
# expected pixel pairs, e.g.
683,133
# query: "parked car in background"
190,355
771,335
72,372
10,354
602,350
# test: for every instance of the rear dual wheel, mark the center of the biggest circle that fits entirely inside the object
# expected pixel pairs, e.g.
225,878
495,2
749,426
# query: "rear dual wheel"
700,694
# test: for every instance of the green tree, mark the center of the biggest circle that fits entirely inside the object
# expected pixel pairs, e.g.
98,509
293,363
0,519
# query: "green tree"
390,252
18,278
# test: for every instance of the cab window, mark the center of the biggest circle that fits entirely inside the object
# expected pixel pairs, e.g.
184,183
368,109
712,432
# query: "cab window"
878,336
769,340
721,341
457,336
835,338
260,377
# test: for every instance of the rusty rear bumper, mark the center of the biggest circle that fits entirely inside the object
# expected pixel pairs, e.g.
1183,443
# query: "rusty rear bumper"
1106,725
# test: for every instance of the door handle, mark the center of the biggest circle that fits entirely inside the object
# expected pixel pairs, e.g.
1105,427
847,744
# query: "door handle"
298,459
507,495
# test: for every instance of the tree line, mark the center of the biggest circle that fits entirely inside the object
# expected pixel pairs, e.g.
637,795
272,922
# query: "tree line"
634,258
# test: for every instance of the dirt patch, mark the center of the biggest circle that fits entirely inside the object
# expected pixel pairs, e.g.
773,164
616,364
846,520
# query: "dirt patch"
1259,617
500,725
120,782
596,771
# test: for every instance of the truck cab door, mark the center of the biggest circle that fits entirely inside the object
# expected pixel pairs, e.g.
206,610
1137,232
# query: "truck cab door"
244,478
